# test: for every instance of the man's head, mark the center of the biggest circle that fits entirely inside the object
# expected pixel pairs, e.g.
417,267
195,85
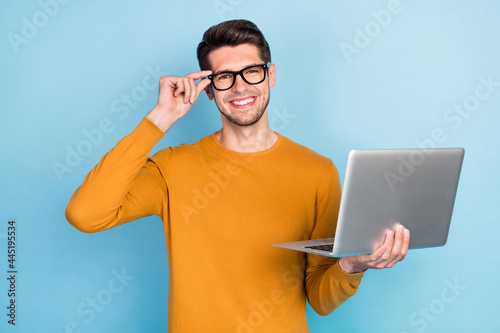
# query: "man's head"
226,50
231,33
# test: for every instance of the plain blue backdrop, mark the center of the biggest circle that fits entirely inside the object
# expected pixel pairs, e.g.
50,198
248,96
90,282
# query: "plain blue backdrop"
76,76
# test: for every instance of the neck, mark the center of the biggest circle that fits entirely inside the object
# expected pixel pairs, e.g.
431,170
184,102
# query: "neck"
247,139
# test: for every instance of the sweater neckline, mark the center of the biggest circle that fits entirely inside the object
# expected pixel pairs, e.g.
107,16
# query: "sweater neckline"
215,142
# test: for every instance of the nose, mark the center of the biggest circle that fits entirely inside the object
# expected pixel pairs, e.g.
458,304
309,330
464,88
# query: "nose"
239,84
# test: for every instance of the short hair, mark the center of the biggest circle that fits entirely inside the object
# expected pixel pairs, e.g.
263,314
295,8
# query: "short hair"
231,33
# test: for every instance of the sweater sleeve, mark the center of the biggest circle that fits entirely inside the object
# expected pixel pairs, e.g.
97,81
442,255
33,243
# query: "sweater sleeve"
327,285
125,185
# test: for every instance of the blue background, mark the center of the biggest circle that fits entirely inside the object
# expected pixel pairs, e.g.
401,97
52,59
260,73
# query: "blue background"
363,74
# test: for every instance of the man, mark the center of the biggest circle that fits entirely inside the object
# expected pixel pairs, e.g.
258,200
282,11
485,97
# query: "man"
226,198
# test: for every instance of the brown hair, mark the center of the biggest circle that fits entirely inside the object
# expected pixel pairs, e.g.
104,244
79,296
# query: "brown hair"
231,33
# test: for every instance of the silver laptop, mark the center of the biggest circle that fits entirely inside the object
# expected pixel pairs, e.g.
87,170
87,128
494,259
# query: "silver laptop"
414,187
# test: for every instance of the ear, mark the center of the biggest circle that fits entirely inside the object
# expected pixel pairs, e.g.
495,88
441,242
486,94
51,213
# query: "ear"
209,92
272,75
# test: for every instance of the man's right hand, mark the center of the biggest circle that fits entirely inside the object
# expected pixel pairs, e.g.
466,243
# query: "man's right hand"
176,96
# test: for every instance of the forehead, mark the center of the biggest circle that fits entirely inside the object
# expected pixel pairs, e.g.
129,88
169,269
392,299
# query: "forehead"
234,58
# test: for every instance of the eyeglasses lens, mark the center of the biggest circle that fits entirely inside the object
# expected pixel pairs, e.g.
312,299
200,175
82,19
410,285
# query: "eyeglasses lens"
253,75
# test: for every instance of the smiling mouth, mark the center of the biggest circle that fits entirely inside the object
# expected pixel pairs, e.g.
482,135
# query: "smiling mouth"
243,102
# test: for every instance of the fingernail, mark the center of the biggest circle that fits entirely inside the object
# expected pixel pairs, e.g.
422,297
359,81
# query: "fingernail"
391,235
401,229
407,232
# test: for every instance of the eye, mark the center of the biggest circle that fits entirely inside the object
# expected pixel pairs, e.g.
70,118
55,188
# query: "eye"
224,76
252,70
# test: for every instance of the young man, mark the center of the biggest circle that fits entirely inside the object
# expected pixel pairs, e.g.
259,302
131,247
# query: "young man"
226,198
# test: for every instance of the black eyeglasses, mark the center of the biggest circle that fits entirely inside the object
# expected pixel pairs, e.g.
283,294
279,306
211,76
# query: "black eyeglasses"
254,74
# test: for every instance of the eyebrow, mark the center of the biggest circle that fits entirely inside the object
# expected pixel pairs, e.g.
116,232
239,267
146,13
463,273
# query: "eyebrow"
228,70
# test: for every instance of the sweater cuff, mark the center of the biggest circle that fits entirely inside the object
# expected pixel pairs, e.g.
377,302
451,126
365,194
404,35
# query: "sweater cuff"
147,134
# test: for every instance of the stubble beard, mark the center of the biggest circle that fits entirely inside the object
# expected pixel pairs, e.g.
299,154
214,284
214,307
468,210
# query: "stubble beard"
245,121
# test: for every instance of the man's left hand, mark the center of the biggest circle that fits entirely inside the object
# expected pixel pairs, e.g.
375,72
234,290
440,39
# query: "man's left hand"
393,250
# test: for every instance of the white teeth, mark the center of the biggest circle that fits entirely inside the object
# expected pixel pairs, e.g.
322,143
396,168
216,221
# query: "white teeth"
243,102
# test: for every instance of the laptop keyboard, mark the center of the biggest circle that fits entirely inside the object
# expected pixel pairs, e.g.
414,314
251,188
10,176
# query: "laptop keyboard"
325,247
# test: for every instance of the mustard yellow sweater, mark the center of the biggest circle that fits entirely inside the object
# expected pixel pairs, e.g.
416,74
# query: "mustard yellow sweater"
221,211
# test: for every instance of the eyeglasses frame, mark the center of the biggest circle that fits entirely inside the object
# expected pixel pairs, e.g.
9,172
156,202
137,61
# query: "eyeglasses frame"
240,73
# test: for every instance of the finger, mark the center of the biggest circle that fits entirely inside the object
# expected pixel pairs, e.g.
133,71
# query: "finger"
398,241
377,255
187,89
396,248
198,75
193,94
406,243
179,86
200,86
400,247
388,243
197,88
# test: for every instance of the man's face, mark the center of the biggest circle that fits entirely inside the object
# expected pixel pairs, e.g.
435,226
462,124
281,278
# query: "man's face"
244,104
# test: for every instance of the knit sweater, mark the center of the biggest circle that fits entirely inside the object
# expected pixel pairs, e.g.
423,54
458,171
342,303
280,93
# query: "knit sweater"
221,212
